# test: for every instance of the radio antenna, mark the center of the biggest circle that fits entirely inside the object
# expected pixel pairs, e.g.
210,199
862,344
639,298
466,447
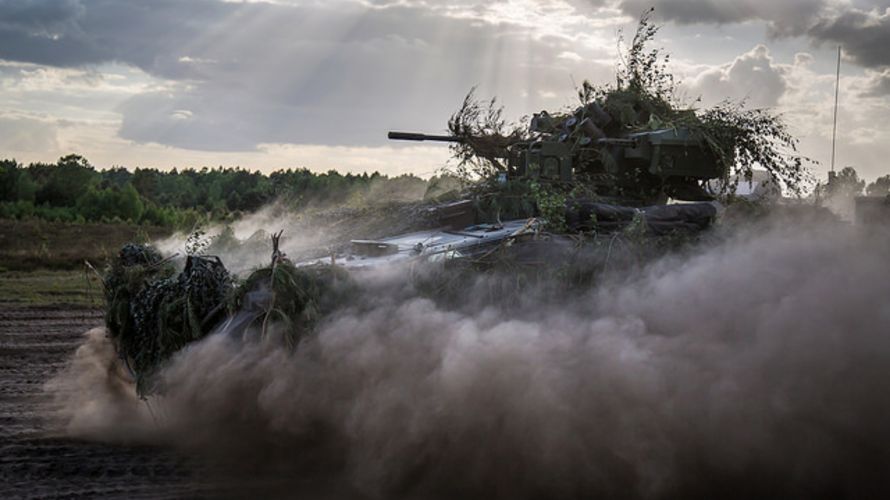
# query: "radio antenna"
837,88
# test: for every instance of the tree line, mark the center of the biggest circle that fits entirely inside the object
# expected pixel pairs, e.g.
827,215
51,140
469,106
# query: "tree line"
73,190
846,183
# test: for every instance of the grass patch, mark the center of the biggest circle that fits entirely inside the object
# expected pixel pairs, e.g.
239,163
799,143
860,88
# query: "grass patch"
50,288
27,245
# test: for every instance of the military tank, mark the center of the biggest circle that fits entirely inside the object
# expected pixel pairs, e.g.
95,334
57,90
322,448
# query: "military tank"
628,165
624,176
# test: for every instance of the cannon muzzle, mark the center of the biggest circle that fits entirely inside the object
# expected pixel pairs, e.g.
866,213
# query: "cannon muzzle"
414,136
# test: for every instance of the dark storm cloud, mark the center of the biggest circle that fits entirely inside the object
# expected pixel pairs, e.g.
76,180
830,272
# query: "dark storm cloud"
784,15
865,35
45,32
252,73
862,28
39,16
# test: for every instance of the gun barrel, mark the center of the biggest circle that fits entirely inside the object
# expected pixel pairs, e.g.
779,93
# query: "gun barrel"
414,136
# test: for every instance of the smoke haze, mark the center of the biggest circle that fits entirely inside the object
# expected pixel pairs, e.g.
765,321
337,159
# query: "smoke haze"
314,232
756,366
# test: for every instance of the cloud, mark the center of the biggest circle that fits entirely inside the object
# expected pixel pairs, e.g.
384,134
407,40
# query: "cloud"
47,32
206,79
27,134
40,17
808,107
751,76
877,84
784,16
863,29
336,73
865,35
805,99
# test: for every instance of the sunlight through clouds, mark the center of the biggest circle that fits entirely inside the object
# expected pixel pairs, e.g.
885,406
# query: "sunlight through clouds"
318,83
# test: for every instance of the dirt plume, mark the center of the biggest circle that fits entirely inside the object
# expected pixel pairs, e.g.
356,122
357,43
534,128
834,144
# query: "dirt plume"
755,366
95,397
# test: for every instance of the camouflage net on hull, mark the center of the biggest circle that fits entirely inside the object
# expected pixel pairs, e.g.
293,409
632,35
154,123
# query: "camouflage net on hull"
293,299
153,312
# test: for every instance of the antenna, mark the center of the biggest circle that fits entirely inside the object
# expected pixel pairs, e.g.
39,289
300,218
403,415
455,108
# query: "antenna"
837,88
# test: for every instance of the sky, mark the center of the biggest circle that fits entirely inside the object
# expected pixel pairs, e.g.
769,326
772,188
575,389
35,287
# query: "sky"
318,83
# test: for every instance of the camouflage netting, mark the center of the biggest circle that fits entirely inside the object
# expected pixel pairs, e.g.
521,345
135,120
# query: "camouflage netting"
297,298
133,271
601,148
170,313
153,312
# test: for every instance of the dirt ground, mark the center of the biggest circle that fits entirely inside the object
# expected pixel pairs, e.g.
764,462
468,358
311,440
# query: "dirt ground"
36,460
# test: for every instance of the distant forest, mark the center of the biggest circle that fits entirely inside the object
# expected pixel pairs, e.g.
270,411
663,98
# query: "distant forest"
72,190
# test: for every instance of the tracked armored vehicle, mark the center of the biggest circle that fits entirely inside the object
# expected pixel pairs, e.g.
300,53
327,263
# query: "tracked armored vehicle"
619,153
599,179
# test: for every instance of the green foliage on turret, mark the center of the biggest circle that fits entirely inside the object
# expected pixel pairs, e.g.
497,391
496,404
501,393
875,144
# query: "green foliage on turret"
733,140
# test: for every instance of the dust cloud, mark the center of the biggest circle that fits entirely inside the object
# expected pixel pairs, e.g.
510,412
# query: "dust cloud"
245,244
755,366
95,397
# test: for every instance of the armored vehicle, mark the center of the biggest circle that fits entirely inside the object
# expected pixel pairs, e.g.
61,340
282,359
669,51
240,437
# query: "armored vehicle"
625,176
628,167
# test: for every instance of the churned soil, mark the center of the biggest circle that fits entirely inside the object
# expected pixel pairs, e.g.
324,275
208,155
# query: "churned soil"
37,460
